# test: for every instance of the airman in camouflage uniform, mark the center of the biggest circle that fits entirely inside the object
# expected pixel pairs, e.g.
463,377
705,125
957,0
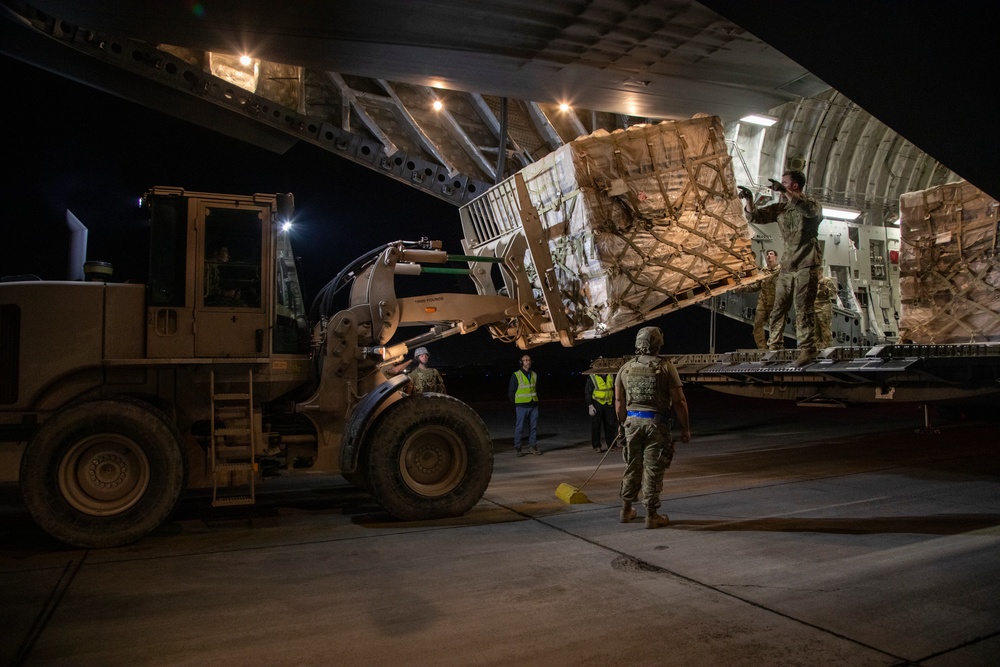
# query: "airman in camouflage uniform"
765,298
646,388
798,217
826,291
423,378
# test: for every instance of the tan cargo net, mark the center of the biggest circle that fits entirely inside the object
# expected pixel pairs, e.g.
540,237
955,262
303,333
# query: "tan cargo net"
635,223
949,272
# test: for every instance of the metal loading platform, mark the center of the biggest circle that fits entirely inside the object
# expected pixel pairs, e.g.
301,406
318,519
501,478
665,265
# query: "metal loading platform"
897,373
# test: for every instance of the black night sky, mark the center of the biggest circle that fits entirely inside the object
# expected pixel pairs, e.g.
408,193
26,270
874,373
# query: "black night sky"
67,146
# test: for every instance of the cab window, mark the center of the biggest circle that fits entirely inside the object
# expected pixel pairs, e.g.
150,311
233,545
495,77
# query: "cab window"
232,258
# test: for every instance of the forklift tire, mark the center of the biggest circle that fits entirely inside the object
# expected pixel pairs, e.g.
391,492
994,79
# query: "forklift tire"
103,473
430,456
358,479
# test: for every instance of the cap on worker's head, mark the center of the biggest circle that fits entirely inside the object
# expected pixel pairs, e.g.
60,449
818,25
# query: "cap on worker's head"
649,340
419,351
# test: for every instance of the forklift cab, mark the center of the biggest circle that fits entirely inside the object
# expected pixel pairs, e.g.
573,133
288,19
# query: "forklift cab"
223,281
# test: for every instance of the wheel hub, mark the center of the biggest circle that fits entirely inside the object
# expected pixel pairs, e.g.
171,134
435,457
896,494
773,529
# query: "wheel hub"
433,461
107,471
103,474
427,461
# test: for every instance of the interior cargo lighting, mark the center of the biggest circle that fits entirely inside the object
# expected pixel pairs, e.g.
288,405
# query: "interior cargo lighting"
760,119
245,60
438,105
564,107
840,213
286,226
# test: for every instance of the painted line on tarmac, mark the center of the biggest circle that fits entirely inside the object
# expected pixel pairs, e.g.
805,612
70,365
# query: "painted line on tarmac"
639,564
765,517
69,572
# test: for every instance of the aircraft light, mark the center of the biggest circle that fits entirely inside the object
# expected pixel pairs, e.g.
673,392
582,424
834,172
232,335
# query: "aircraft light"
760,119
840,213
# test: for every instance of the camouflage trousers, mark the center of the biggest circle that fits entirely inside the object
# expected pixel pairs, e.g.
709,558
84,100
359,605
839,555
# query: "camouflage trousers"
760,319
800,287
824,325
648,453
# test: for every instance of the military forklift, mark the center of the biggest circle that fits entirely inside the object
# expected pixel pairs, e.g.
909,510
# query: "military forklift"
115,398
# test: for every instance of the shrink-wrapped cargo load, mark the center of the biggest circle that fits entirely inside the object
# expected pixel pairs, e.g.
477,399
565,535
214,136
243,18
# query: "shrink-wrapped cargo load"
949,271
614,229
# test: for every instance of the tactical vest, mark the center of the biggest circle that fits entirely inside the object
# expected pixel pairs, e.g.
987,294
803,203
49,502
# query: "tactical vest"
643,385
525,388
604,389
424,379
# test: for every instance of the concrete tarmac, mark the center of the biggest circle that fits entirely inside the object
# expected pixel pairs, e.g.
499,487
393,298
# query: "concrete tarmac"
799,536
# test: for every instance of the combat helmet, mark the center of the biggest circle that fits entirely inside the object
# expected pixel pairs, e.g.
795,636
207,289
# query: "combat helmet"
419,351
649,340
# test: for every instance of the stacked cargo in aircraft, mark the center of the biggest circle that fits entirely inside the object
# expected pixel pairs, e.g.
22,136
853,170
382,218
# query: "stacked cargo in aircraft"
615,228
949,270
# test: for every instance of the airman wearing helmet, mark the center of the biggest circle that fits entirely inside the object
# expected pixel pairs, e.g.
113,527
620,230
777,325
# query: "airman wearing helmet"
648,340
424,378
646,389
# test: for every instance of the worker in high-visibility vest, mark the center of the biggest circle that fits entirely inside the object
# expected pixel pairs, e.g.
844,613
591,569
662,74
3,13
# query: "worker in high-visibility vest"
599,393
522,392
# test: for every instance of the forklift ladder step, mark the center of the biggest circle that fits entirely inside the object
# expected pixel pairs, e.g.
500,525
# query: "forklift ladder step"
232,397
232,449
230,501
232,445
235,467
232,431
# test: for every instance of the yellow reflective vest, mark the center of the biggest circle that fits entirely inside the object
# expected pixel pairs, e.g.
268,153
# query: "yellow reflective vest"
604,389
525,388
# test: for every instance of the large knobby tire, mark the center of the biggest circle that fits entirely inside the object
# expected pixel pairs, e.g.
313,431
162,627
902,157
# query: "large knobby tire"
103,473
358,479
429,456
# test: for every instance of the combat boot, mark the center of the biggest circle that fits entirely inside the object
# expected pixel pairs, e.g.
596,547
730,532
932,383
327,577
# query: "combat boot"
806,357
654,520
627,513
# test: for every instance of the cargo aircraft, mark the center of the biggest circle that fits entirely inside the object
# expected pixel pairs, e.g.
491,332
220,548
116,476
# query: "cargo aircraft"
451,98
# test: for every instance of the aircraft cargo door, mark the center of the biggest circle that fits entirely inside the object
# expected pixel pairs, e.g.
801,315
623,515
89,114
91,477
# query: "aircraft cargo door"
230,295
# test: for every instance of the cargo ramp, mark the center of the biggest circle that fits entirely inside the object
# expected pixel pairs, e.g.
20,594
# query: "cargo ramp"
841,375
